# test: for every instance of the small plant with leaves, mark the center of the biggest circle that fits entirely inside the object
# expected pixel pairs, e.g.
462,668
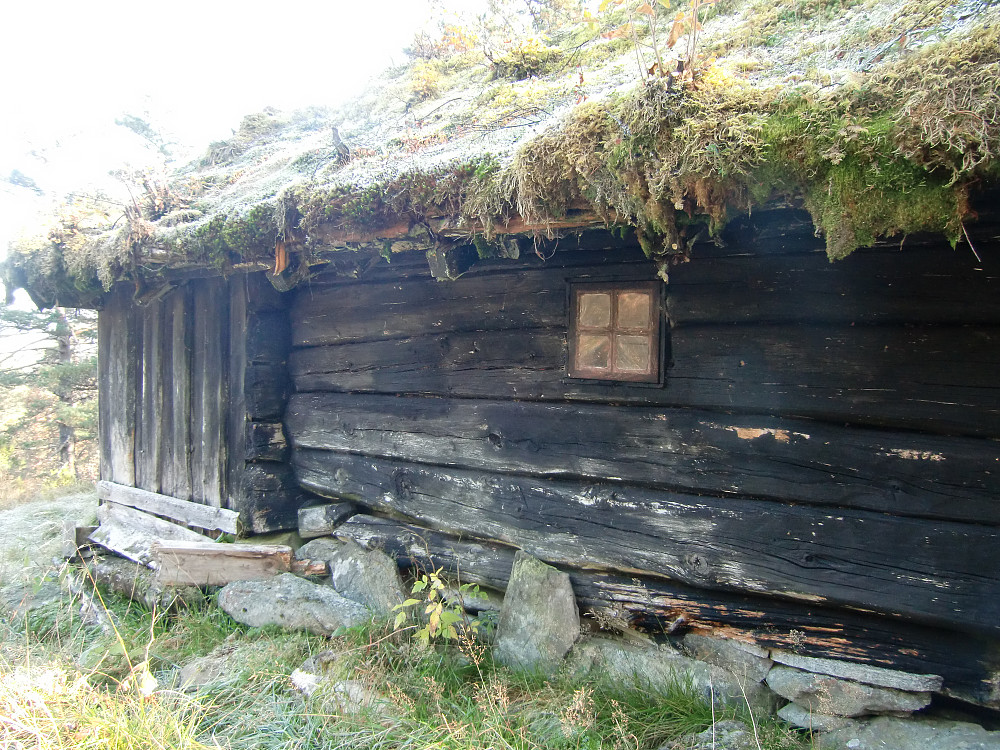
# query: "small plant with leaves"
443,617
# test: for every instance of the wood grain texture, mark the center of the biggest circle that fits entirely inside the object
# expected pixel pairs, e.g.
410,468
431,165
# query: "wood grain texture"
118,354
131,533
936,573
891,376
964,660
672,449
182,511
182,563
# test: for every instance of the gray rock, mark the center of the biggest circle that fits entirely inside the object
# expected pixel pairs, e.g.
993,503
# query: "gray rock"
829,695
797,716
291,602
323,548
848,670
910,734
723,735
742,659
369,577
658,668
139,583
539,620
18,600
225,663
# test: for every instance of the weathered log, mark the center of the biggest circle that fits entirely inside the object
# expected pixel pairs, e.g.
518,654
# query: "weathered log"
749,546
884,375
650,603
265,441
683,449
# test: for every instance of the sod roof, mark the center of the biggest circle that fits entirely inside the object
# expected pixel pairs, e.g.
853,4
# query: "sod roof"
878,116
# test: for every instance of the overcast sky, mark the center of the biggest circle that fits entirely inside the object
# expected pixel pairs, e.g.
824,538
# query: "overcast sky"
195,68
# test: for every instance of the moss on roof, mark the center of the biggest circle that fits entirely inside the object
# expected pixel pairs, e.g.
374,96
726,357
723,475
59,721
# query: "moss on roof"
879,116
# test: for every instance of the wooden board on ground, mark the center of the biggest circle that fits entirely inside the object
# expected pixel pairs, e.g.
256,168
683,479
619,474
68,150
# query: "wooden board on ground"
76,540
131,533
183,511
209,564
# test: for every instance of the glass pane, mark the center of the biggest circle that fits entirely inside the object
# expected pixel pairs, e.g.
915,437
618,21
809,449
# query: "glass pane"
593,351
632,354
633,310
594,310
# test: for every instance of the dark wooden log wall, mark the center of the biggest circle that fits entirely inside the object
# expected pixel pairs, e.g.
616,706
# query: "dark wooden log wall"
193,387
825,440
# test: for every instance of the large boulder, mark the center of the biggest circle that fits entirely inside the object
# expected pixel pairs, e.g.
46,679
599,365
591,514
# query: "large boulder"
367,576
539,619
291,602
823,694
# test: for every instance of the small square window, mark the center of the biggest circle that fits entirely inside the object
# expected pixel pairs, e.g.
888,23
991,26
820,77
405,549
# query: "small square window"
614,332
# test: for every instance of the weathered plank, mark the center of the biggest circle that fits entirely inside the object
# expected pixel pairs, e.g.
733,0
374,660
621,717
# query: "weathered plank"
236,415
176,471
210,396
323,520
650,602
131,533
885,375
683,449
749,546
118,356
210,564
148,437
182,511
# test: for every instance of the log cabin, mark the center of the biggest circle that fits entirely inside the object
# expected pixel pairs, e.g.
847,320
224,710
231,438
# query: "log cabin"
735,379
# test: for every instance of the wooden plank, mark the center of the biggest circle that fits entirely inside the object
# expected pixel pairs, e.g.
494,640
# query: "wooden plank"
148,437
182,511
650,602
237,420
131,533
674,449
323,520
748,546
894,376
210,390
177,467
210,564
119,352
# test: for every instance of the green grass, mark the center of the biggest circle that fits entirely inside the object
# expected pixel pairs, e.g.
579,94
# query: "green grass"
67,681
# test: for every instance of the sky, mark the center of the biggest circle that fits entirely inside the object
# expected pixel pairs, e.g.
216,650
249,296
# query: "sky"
194,69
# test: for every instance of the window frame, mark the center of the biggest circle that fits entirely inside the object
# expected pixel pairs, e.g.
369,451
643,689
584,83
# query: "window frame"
656,334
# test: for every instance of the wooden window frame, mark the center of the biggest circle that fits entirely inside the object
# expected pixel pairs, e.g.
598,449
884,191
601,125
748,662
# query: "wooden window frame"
654,334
